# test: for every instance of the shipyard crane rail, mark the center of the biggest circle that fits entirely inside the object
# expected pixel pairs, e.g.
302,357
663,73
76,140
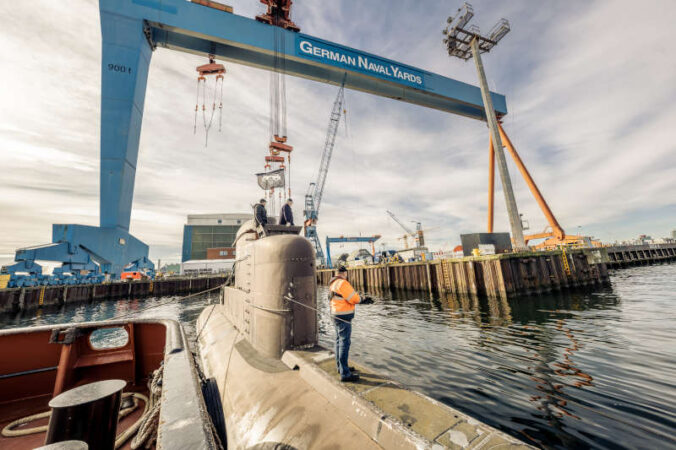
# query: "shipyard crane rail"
313,197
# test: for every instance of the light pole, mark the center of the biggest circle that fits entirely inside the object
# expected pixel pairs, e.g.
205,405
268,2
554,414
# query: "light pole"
469,43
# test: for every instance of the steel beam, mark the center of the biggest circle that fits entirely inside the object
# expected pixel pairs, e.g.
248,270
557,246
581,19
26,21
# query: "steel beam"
186,26
124,72
510,200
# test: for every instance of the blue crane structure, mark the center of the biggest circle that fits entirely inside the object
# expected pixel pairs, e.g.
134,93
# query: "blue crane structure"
313,197
332,240
132,29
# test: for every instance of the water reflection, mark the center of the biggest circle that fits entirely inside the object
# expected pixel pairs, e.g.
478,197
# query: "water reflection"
553,369
587,369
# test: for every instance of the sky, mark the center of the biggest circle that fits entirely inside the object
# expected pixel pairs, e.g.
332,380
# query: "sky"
590,89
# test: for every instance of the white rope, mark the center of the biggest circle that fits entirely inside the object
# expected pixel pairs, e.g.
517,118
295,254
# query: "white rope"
147,430
10,431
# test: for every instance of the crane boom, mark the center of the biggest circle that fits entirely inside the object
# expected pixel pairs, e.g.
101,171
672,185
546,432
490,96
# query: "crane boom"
406,229
313,197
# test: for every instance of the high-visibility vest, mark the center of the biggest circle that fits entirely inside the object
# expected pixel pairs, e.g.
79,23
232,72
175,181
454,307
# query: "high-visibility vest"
343,296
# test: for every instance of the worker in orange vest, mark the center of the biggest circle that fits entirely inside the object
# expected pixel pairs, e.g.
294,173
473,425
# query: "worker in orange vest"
343,298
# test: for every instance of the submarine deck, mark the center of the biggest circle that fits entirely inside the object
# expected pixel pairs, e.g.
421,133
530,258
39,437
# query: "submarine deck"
300,402
389,400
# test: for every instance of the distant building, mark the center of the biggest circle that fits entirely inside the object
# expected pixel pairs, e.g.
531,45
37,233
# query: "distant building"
644,239
210,231
673,234
196,268
415,254
221,253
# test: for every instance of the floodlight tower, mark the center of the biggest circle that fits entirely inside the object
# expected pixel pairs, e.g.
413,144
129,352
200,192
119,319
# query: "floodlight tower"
466,43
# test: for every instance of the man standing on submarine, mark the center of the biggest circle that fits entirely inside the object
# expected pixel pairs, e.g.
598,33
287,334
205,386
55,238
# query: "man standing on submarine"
343,299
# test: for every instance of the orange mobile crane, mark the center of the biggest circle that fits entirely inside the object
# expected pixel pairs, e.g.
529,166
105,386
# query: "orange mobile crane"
554,235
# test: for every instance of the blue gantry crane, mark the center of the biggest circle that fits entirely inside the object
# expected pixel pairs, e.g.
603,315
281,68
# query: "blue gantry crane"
131,30
77,267
369,239
313,197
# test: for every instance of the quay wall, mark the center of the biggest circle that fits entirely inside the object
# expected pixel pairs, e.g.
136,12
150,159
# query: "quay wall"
491,275
631,255
509,274
19,299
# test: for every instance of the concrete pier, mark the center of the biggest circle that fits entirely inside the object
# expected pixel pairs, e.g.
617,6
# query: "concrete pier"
20,299
492,275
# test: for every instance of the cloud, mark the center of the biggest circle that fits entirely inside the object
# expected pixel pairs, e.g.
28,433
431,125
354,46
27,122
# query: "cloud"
590,91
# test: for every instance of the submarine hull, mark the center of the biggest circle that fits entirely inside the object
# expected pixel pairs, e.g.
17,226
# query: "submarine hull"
279,389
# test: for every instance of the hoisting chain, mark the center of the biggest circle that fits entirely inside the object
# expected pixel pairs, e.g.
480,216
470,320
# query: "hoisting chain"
217,92
197,101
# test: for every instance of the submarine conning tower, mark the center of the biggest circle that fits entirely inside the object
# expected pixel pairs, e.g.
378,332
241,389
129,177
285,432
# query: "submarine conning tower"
279,389
269,270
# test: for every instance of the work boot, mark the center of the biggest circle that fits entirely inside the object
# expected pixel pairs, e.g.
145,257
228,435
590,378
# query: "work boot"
352,377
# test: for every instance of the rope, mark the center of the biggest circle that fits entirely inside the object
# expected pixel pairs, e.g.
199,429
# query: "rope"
133,313
129,432
10,431
149,419
220,107
197,101
147,429
314,309
232,274
207,124
283,79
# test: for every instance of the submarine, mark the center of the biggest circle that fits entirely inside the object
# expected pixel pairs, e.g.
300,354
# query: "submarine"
280,389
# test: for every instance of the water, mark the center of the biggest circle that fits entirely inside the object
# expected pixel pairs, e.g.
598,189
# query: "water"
575,370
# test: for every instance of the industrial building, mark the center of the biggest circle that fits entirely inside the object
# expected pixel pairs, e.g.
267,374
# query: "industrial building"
210,231
198,267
